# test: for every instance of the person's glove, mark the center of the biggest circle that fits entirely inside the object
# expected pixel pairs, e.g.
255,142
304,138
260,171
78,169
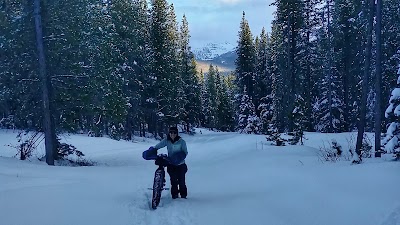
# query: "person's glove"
150,154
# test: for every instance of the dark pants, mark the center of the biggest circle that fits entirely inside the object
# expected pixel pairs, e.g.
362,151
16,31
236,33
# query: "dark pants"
177,175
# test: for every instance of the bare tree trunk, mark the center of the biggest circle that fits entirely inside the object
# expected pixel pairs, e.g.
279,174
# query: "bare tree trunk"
363,107
308,89
330,52
48,126
128,133
378,82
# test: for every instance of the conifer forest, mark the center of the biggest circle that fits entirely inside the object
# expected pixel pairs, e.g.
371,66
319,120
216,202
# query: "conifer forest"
125,68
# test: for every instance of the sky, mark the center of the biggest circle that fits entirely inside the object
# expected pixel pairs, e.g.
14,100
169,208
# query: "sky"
218,21
232,179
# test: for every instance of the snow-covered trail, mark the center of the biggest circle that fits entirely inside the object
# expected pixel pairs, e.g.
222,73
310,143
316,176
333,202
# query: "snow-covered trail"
229,182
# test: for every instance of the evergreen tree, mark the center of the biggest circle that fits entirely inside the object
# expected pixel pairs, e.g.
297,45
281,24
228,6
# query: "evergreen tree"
225,116
277,69
328,109
249,122
204,99
308,59
290,19
191,86
392,140
109,103
266,114
262,76
299,120
212,98
19,78
67,54
137,74
390,44
226,110
349,32
164,40
245,62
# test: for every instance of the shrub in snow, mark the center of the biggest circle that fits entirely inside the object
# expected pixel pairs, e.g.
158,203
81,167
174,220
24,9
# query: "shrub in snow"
27,143
331,153
392,140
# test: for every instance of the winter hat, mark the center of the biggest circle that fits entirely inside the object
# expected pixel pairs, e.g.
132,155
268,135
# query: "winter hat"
175,129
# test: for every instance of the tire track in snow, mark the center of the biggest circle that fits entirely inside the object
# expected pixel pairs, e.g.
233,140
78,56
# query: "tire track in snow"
169,212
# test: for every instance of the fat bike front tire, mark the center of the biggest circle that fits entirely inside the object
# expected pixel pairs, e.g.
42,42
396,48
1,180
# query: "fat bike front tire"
158,186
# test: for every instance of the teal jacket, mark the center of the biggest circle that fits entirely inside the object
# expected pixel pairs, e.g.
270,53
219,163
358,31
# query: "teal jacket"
177,150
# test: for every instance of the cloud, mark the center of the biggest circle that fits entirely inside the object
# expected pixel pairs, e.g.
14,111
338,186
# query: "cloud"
219,20
229,1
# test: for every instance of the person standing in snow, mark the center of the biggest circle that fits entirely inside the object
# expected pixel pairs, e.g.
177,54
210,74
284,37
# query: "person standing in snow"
177,152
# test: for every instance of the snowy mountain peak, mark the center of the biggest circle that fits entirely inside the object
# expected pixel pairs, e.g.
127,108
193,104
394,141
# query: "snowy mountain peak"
212,50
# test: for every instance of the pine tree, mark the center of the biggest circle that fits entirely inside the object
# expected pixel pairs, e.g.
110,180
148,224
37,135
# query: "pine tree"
191,86
212,98
109,103
349,32
138,77
289,20
262,76
277,69
67,54
245,62
390,31
249,122
204,99
226,109
299,120
224,112
308,58
164,40
266,114
286,43
19,78
328,108
392,140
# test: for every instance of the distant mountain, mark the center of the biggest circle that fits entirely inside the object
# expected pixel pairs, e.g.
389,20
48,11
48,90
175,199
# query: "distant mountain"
212,50
227,59
221,55
225,63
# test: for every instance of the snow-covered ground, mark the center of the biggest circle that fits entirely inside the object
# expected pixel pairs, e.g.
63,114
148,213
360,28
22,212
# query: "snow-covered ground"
232,179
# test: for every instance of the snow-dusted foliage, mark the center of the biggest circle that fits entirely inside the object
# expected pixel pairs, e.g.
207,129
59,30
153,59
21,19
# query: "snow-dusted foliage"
249,122
392,140
267,112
